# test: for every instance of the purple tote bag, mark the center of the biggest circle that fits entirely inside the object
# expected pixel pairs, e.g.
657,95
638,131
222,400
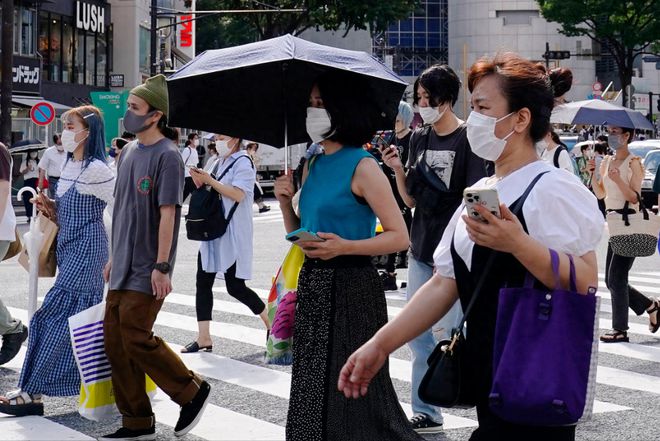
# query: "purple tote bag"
545,353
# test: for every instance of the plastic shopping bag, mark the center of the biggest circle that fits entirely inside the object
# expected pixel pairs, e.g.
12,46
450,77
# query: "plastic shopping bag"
97,401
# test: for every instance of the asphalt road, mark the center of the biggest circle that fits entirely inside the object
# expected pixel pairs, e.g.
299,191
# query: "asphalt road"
249,398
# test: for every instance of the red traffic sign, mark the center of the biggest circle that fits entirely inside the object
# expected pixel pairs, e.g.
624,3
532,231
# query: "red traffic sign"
42,113
597,86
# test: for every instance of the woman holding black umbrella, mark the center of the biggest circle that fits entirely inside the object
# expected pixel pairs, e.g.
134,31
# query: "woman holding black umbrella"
341,301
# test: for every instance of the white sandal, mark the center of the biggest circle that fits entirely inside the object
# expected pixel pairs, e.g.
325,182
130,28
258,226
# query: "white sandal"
21,403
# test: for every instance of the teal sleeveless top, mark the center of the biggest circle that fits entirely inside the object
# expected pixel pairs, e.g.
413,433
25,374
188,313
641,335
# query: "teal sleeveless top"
327,203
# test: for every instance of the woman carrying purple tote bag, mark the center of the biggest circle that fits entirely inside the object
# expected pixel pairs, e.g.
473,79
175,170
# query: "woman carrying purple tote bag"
512,99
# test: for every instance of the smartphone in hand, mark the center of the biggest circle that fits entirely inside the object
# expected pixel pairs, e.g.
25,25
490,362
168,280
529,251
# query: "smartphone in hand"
303,234
486,197
382,138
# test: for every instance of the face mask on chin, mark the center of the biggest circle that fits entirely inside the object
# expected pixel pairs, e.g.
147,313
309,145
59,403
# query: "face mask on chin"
481,136
137,123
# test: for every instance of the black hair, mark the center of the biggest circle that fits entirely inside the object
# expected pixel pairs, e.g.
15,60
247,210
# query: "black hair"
602,138
120,142
168,132
192,135
354,114
441,83
128,135
187,143
56,137
631,133
601,148
212,146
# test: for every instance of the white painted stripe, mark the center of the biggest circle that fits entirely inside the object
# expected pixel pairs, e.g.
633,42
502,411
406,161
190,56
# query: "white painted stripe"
628,380
218,423
631,278
631,350
35,428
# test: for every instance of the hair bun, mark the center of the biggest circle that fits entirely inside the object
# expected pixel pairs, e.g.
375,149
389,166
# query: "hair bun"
561,80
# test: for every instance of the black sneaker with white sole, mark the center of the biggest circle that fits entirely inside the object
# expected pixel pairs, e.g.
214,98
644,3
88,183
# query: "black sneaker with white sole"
192,411
421,423
131,435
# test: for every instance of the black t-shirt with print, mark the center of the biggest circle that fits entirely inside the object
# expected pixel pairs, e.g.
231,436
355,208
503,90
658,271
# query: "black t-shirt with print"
445,166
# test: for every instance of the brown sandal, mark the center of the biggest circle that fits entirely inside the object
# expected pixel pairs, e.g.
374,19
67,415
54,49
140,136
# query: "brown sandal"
615,336
653,327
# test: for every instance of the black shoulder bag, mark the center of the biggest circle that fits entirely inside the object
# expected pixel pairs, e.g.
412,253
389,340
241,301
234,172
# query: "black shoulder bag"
206,220
442,384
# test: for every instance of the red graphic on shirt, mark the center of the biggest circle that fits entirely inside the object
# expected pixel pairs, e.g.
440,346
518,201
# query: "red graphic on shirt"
144,184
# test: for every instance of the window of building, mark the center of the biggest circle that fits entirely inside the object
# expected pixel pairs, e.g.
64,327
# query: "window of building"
44,44
79,65
145,37
515,17
28,31
68,50
55,48
101,60
90,59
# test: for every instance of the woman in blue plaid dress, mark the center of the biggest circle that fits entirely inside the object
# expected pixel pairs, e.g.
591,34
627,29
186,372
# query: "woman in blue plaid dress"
86,185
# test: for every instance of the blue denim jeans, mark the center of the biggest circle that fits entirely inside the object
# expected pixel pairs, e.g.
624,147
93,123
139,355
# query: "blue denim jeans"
421,347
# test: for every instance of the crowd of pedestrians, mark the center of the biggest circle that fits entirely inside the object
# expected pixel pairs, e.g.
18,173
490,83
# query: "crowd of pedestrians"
340,385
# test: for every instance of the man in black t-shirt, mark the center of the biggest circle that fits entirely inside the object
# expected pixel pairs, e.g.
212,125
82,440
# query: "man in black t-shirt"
440,166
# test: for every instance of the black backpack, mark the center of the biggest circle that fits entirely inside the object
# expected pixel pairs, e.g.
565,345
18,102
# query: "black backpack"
206,220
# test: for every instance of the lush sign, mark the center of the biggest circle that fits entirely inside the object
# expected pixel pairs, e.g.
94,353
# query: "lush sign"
90,17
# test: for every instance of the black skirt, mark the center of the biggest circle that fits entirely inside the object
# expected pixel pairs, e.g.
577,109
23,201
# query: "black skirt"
341,305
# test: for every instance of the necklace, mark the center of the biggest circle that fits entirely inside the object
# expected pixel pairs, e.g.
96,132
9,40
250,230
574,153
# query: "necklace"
495,179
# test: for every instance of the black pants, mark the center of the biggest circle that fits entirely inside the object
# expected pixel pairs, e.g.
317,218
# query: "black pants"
391,258
188,187
235,287
623,295
493,428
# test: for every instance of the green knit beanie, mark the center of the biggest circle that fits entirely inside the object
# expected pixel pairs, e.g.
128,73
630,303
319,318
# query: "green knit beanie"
154,92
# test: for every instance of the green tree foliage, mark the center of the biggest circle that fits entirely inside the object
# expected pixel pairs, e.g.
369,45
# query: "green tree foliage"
627,29
227,30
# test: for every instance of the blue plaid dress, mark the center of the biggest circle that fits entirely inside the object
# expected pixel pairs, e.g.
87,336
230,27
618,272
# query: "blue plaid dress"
82,251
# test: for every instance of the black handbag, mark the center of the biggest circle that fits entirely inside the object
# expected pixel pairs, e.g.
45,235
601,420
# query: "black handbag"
206,219
443,384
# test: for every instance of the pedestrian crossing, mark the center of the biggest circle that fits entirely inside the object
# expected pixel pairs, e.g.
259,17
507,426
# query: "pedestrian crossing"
234,323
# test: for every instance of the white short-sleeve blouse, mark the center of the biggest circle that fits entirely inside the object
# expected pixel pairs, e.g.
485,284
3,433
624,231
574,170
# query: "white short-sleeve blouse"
560,212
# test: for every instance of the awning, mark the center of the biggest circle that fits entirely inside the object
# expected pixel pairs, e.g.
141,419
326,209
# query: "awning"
29,101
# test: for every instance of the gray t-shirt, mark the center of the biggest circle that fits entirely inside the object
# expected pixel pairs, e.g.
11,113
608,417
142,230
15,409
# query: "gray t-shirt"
148,177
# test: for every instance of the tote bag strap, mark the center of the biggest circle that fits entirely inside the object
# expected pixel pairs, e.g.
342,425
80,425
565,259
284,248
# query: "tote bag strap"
554,261
515,209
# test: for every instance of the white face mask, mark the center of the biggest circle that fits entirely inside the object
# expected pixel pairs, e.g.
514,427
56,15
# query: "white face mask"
221,145
431,115
318,124
541,146
68,139
33,155
481,136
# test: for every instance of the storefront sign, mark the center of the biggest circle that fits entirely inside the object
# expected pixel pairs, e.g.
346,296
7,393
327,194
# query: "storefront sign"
113,106
90,17
186,31
26,75
116,80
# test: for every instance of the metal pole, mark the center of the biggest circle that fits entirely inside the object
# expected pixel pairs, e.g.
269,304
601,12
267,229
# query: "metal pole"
7,74
651,107
547,55
154,36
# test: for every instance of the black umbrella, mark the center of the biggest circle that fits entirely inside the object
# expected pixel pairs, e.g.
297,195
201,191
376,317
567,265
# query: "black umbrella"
260,91
27,144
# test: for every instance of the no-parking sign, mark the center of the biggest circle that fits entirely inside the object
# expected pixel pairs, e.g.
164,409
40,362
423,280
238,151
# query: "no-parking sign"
42,113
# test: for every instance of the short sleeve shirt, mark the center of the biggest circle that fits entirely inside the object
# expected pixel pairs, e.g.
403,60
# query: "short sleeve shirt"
452,160
560,213
148,177
52,162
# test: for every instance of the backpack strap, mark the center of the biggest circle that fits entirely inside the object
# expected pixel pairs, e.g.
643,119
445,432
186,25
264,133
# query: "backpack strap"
558,151
233,207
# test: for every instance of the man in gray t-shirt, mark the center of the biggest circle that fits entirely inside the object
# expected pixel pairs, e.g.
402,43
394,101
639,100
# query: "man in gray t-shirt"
147,179
145,228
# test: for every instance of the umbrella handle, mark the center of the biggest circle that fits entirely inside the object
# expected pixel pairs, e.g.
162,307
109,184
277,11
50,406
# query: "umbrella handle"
19,195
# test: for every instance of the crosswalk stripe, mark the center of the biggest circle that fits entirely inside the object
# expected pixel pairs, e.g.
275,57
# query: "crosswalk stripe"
218,423
628,380
35,428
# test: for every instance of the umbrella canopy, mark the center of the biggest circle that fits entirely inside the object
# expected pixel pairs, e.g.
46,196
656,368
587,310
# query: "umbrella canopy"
27,144
255,90
598,112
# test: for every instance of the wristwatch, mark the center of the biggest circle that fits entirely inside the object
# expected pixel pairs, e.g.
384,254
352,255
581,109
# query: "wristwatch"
163,267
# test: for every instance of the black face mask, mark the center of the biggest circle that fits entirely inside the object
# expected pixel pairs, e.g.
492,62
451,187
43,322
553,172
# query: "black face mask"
136,123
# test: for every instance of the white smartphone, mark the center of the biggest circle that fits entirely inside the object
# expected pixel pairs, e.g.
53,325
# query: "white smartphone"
486,197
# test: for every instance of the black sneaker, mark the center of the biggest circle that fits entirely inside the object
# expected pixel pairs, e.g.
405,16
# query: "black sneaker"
128,434
264,209
192,412
421,423
389,281
11,344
